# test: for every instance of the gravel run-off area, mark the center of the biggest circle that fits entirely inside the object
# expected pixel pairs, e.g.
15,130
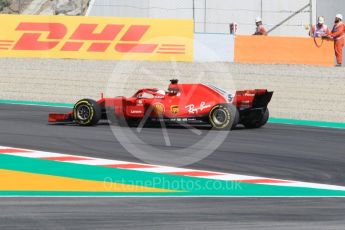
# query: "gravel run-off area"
300,92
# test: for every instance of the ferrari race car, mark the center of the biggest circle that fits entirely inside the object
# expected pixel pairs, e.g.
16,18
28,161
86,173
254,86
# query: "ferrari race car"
181,104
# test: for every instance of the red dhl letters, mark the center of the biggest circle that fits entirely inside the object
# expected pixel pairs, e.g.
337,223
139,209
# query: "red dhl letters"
96,38
84,32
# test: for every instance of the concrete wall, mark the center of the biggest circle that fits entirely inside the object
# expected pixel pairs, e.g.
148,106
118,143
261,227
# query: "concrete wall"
216,17
261,50
282,50
213,47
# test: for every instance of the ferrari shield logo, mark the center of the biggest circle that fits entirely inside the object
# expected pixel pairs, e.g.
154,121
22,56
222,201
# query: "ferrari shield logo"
174,109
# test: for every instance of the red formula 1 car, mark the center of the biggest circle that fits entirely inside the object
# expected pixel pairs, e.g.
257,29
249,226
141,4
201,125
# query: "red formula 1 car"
180,104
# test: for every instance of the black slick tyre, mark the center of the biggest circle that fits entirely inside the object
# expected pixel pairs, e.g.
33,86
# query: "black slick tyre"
259,122
87,112
223,117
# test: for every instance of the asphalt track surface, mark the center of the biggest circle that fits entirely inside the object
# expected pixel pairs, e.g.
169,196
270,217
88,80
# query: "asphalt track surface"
279,151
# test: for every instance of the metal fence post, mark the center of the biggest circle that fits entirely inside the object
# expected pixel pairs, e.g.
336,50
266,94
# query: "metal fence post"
193,1
19,2
205,17
81,7
311,13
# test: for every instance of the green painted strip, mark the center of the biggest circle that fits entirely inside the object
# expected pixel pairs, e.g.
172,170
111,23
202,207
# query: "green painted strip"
187,186
37,103
324,124
307,123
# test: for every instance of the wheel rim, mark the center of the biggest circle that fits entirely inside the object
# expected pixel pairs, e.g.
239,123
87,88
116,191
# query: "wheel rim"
83,112
219,117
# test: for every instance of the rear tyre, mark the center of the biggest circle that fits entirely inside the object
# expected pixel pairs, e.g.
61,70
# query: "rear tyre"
223,117
236,119
258,122
87,112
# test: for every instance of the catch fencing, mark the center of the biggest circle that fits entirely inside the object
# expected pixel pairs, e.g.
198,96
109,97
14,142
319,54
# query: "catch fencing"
214,16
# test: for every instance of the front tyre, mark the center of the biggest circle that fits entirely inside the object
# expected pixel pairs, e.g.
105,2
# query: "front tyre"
223,117
87,112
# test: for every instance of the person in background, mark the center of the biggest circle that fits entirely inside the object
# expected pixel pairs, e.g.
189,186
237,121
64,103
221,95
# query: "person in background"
260,29
320,30
337,34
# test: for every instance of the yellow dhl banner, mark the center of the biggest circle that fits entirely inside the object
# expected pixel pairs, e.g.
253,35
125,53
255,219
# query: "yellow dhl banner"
96,38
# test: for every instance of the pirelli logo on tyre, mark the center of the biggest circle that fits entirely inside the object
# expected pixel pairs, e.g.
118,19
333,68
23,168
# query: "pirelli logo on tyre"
96,38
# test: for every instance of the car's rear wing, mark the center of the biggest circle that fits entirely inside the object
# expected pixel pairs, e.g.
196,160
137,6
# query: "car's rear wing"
258,98
262,100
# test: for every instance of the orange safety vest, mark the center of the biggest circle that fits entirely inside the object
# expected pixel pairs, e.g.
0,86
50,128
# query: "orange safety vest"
339,27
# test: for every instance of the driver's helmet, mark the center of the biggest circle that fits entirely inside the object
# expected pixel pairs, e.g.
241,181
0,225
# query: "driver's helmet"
173,90
173,87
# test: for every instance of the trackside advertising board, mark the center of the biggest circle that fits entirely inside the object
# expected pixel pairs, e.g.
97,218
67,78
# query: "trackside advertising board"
96,38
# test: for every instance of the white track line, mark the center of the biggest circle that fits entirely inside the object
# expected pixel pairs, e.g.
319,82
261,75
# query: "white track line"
162,169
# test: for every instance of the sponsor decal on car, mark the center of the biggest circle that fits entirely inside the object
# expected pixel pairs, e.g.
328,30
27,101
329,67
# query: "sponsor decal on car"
136,112
192,109
174,109
158,108
230,98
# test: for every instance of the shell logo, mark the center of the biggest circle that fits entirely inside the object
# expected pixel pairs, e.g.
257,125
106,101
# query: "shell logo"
158,108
